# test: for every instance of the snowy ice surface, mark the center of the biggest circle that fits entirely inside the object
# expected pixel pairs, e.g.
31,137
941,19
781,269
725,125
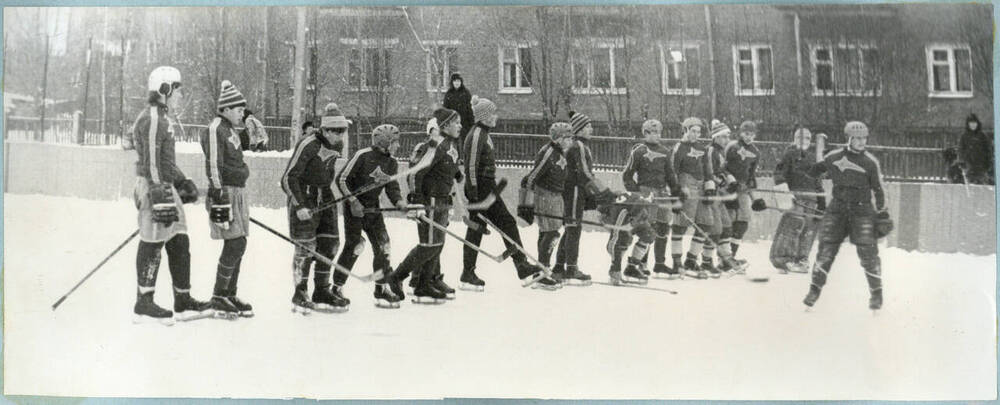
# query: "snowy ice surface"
716,339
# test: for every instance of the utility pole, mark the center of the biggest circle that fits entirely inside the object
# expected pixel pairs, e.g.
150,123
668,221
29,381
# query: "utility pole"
104,73
86,91
45,77
711,62
299,89
267,59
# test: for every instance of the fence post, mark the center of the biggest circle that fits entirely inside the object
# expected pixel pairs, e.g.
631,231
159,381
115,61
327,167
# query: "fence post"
78,126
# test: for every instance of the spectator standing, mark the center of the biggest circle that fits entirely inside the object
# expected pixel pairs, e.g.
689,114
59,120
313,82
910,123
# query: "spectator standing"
459,98
975,152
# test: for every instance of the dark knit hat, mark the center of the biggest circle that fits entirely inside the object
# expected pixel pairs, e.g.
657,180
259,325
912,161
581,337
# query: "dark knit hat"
748,126
444,116
230,97
578,121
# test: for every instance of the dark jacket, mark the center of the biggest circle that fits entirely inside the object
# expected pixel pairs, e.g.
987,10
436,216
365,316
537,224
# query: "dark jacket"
649,165
480,164
437,179
975,148
309,172
154,142
794,170
460,100
224,163
549,172
856,176
369,166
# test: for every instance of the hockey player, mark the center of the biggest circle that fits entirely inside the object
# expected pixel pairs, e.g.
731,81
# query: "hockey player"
628,209
229,214
160,190
649,171
370,166
741,162
695,176
541,191
582,191
857,178
432,187
793,239
480,168
306,182
721,230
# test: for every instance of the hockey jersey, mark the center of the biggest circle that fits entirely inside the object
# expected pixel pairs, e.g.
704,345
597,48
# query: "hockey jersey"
741,162
438,179
369,166
717,158
224,163
691,158
794,170
310,170
856,176
578,166
549,172
153,136
480,166
649,165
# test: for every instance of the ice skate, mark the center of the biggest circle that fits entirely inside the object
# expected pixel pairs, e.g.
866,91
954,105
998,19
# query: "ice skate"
811,298
546,283
707,266
438,283
660,270
384,298
797,267
644,270
244,309
224,309
530,274
187,308
574,276
470,282
632,275
329,300
301,303
558,273
146,311
691,269
427,294
615,278
875,302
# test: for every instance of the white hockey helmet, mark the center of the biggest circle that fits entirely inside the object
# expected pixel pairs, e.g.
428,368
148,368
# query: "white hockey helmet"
384,135
856,129
164,80
652,130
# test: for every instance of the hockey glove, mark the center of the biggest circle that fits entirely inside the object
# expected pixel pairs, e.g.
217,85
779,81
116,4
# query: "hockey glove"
220,209
732,204
758,205
459,177
164,207
708,193
526,205
303,214
821,204
187,190
732,187
357,210
883,224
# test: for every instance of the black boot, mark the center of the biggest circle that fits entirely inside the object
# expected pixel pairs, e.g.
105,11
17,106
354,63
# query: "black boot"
384,297
224,308
244,308
875,302
328,299
439,284
812,296
147,311
633,274
300,300
706,265
471,282
574,276
185,306
425,293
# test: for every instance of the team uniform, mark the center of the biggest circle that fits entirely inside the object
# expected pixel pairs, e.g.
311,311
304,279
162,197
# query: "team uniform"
161,215
796,233
229,215
741,163
306,181
545,181
649,171
722,224
629,213
857,179
694,174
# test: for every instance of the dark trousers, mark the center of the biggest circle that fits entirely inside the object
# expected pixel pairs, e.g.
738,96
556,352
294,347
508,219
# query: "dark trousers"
424,259
854,220
569,245
500,216
374,227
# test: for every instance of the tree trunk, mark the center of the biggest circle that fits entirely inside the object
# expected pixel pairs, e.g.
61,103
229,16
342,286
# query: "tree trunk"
300,47
86,91
45,77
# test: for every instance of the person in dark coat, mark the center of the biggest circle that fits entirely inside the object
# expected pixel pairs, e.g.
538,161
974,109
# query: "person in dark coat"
975,152
459,98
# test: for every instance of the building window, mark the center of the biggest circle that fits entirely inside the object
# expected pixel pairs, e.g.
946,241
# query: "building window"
369,63
441,62
595,69
753,70
845,70
515,69
681,69
949,71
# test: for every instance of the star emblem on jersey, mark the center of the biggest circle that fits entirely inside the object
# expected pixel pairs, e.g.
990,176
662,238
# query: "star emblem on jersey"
453,153
651,155
234,139
561,162
326,154
695,153
379,175
746,154
844,165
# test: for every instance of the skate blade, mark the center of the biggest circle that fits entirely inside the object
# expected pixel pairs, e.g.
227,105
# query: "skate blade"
449,296
296,309
383,303
759,279
715,275
471,287
144,319
532,279
188,316
246,314
664,276
808,309
538,286
228,316
330,309
428,300
577,283
635,281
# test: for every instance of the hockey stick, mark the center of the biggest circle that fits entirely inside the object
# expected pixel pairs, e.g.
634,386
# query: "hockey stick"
326,260
497,258
547,270
411,207
113,252
587,222
424,162
793,212
798,193
709,240
725,197
644,287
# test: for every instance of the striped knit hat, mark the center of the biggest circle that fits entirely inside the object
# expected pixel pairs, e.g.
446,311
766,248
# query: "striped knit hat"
445,116
578,121
719,129
482,109
230,97
333,118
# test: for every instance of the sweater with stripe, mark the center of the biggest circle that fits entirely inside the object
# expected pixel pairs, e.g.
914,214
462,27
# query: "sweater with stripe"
154,142
549,172
856,176
224,163
310,170
480,166
369,166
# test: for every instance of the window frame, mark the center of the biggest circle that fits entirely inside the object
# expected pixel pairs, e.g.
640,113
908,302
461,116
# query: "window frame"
832,48
385,44
590,44
683,46
428,66
953,71
520,88
755,91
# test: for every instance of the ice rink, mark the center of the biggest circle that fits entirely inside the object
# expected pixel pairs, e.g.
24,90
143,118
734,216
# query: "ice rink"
716,339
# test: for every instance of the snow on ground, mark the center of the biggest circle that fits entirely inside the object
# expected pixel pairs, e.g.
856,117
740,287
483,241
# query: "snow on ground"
716,339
